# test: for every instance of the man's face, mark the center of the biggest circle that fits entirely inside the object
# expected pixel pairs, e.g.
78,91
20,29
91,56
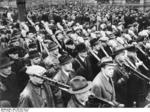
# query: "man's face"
16,43
6,71
68,67
56,52
36,60
83,54
78,31
108,70
14,56
60,36
36,80
30,35
97,47
83,97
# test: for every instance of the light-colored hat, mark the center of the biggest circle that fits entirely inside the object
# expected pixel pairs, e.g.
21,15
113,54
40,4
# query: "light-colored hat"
36,70
106,61
143,33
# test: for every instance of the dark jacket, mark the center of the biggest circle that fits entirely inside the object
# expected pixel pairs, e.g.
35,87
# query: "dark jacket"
9,90
95,67
82,68
29,97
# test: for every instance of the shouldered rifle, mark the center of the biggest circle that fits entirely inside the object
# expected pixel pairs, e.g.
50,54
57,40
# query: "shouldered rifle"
52,82
140,75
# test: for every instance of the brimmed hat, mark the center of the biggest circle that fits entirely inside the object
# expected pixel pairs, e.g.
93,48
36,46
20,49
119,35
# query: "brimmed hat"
34,54
81,48
12,50
119,49
36,70
14,39
79,85
32,45
52,46
104,39
65,59
58,32
106,61
5,62
94,42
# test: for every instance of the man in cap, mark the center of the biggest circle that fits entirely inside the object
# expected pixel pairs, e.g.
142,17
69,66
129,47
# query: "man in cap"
64,75
103,86
8,86
37,93
80,90
82,64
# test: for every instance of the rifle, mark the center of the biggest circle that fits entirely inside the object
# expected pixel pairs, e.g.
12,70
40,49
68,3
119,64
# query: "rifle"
60,85
94,101
140,75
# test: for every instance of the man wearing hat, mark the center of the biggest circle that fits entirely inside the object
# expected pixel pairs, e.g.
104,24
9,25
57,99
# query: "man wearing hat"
64,75
82,64
37,93
80,90
95,45
35,57
135,86
51,61
103,86
8,86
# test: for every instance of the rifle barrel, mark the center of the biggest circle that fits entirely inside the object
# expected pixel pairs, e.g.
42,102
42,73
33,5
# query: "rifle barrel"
59,84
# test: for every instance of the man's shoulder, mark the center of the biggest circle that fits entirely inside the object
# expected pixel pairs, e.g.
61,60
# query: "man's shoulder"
57,77
26,93
98,79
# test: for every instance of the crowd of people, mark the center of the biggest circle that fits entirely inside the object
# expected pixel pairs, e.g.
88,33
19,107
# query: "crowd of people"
75,56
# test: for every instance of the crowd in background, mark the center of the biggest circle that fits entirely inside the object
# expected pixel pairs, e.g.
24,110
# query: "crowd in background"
73,44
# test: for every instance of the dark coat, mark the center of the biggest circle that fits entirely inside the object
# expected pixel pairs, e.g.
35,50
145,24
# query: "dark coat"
74,103
94,63
82,68
29,97
9,90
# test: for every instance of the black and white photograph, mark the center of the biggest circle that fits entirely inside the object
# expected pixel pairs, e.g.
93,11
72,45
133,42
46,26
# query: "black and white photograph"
74,54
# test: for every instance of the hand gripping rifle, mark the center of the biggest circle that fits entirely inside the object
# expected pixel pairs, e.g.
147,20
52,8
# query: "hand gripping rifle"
94,101
52,82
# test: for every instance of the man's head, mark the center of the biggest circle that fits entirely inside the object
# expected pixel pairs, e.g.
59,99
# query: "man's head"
81,88
59,35
53,49
35,57
14,41
36,70
82,50
107,66
5,66
13,53
66,62
95,44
